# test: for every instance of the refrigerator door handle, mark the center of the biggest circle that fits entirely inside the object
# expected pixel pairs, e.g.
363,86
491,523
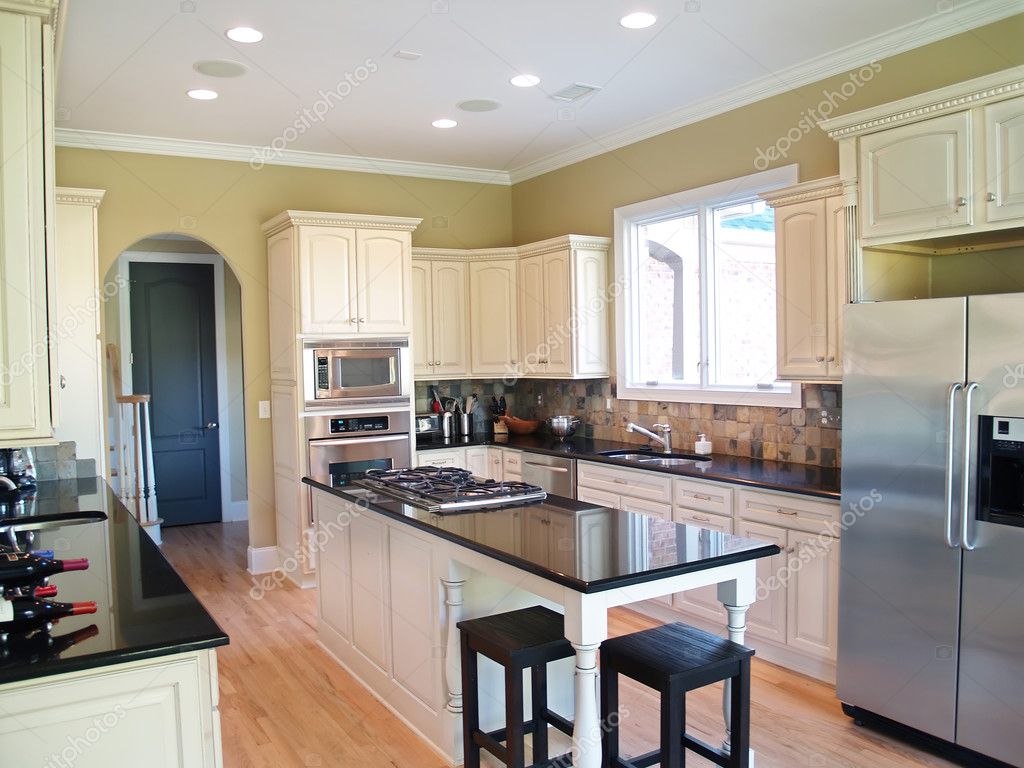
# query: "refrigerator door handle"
954,389
965,498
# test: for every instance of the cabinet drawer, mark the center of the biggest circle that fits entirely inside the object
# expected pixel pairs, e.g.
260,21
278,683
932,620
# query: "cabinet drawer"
792,512
706,497
639,484
453,458
512,461
704,520
646,507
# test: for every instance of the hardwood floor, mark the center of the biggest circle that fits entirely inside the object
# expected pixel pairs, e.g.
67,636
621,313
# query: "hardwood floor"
285,704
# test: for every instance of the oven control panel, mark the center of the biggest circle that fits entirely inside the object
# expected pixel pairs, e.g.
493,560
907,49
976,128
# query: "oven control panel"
356,424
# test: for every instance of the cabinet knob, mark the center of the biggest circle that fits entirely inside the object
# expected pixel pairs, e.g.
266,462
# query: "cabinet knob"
437,362
961,201
353,320
990,197
362,319
819,359
830,359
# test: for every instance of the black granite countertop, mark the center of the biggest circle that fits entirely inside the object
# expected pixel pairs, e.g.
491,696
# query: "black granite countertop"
144,608
804,479
584,547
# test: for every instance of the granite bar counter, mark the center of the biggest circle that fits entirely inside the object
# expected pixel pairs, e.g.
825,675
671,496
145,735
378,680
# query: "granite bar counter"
805,479
146,657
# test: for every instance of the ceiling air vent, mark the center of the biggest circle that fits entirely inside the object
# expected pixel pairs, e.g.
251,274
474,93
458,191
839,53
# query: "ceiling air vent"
575,91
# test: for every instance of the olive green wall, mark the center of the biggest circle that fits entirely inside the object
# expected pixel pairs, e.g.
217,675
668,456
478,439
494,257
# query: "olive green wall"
580,198
224,204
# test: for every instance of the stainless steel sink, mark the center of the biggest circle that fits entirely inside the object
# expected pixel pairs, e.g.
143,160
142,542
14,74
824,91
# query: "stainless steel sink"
670,461
651,458
629,455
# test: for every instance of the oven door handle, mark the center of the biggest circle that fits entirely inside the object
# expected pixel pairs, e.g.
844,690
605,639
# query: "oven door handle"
330,443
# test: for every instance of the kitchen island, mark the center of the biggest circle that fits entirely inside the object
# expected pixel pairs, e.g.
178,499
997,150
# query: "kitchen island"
394,580
139,677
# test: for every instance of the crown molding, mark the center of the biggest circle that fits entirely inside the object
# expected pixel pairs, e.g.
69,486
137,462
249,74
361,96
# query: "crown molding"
465,254
807,190
43,8
964,17
79,195
952,98
554,244
289,218
257,157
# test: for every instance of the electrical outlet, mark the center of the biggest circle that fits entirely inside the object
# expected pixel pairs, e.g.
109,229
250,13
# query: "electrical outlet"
829,417
540,399
607,403
264,409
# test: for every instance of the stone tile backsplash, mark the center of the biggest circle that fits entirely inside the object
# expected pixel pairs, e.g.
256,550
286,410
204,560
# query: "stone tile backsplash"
807,435
58,462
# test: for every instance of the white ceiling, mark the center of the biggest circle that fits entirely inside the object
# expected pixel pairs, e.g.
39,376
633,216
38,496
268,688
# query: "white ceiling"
126,65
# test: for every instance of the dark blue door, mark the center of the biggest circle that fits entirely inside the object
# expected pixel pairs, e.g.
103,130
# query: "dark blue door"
174,359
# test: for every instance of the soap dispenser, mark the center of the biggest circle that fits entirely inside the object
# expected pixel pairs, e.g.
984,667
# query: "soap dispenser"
703,446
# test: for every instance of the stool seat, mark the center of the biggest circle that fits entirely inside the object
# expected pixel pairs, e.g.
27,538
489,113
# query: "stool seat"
518,640
674,659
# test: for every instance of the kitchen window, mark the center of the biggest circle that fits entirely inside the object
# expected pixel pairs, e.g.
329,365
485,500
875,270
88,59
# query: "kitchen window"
696,317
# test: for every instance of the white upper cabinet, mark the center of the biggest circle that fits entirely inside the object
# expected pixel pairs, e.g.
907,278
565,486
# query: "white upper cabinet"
26,189
493,318
336,274
440,311
811,264
916,178
1004,150
941,163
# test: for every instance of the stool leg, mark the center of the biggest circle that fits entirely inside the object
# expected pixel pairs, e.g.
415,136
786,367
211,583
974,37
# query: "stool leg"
609,715
539,694
673,723
470,706
514,717
739,737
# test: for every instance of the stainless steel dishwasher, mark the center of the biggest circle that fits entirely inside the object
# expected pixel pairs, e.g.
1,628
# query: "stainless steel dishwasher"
555,474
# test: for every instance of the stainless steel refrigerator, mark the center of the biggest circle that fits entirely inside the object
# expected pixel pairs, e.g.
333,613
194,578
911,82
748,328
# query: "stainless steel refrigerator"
931,610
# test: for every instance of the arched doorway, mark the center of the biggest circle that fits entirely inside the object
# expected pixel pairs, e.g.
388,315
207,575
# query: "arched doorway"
178,334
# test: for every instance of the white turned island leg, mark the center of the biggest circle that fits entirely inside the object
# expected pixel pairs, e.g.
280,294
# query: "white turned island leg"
452,653
736,596
586,627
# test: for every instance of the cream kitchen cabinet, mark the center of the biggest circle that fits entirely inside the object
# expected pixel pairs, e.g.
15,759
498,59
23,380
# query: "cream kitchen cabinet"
811,266
442,457
709,506
563,307
946,162
440,326
550,538
336,274
477,462
494,318
27,401
511,464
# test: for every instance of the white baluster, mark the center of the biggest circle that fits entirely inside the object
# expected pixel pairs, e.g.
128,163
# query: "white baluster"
147,431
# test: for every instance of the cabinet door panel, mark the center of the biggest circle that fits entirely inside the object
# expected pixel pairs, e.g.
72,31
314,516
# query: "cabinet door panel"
476,462
1004,148
383,262
414,604
562,545
702,602
767,616
422,341
659,509
532,314
282,302
368,539
494,345
591,306
327,278
451,312
836,270
503,532
495,467
912,176
332,520
800,269
813,594
592,496
557,309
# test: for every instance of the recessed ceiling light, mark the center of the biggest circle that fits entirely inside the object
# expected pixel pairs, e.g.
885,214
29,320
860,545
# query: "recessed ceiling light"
444,122
478,105
638,20
244,35
525,81
407,55
203,94
220,68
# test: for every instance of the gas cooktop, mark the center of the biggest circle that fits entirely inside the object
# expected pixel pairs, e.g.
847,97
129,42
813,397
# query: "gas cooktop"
446,490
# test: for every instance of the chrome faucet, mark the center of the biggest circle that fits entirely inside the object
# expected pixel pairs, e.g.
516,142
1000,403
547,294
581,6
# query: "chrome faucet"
665,438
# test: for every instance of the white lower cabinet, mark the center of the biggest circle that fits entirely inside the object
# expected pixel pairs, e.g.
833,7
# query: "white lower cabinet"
164,709
511,464
477,463
704,601
442,457
767,617
812,605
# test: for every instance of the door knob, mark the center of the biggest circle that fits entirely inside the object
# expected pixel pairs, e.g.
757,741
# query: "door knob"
211,425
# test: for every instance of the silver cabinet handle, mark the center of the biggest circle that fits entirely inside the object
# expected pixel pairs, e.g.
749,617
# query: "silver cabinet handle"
437,362
781,511
702,496
63,382
961,201
965,510
990,197
353,320
701,518
950,419
362,319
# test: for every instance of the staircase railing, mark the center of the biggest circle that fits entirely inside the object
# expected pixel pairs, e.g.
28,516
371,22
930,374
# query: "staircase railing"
132,463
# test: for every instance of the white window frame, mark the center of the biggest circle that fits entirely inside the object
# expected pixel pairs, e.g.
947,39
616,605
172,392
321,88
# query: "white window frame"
626,217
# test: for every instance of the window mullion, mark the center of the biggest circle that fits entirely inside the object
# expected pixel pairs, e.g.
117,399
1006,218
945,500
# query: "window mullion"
702,231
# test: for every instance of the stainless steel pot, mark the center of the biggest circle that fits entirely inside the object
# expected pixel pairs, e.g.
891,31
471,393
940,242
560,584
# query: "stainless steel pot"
563,427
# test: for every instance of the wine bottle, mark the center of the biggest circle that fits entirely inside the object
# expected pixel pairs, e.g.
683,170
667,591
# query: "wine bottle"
21,614
50,590
33,647
23,568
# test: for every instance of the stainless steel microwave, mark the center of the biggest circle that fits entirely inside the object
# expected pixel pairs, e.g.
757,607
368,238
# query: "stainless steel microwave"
355,372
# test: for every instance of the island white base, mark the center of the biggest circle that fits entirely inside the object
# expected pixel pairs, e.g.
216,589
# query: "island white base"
161,713
390,595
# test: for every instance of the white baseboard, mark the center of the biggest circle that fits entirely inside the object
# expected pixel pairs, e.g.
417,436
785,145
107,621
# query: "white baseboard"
262,559
234,511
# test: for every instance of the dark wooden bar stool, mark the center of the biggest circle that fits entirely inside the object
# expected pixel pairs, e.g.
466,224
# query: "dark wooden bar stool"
674,659
518,640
